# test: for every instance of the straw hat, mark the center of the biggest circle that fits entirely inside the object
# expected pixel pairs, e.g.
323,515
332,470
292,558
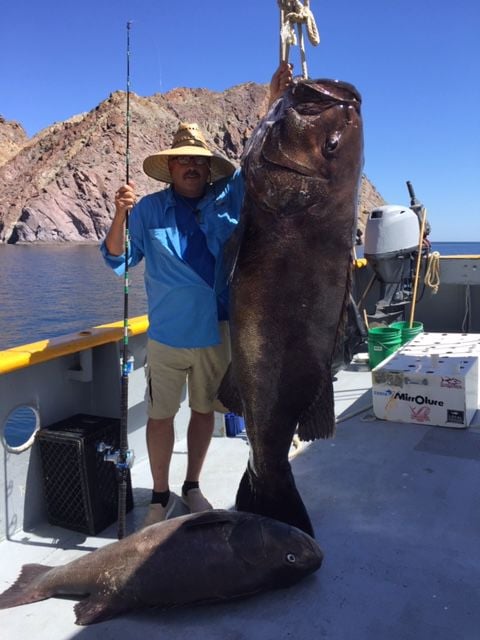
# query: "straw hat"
188,141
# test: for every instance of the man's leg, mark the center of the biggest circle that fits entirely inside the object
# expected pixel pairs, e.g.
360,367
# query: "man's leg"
160,441
166,374
199,435
210,364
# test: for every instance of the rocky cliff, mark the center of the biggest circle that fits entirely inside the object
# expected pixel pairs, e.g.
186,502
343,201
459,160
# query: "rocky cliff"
12,139
58,186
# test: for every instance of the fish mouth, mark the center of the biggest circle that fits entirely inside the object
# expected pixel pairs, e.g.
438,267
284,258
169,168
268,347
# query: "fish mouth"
297,147
325,92
308,126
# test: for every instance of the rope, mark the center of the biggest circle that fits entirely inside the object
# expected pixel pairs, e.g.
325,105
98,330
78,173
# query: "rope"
466,317
294,13
432,275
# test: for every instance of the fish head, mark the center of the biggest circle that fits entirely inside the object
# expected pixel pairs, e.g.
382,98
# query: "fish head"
290,553
308,148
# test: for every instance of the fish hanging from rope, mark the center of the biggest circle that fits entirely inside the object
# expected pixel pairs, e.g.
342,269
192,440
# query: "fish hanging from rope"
290,283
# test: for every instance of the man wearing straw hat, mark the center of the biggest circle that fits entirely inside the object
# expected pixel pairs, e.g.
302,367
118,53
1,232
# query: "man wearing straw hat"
180,232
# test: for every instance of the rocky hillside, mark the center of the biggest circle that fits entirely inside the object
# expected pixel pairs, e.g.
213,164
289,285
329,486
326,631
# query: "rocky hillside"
12,139
59,185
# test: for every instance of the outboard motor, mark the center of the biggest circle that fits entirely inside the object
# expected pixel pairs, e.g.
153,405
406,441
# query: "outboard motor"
391,246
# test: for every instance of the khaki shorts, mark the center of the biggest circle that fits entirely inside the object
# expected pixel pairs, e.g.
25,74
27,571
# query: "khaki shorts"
168,368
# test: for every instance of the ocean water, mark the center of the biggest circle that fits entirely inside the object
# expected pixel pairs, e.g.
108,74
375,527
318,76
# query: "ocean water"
52,290
456,248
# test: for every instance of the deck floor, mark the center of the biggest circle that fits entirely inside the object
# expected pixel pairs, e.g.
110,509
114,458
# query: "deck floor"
395,507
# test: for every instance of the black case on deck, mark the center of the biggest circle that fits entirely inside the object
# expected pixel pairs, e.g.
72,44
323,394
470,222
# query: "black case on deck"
81,488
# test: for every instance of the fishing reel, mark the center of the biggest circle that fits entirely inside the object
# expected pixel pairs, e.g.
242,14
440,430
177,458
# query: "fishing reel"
115,456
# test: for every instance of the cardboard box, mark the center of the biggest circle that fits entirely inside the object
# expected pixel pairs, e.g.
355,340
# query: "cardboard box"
433,380
444,344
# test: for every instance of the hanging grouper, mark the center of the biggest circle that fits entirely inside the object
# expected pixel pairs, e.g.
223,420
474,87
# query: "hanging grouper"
291,282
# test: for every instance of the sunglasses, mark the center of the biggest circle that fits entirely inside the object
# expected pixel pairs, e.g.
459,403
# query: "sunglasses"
197,160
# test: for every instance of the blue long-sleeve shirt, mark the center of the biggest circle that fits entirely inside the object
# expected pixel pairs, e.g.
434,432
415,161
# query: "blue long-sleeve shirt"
194,248
182,306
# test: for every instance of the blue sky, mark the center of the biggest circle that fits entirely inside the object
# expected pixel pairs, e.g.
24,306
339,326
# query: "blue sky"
415,62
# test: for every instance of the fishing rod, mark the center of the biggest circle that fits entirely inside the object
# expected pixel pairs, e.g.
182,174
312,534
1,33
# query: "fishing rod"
125,459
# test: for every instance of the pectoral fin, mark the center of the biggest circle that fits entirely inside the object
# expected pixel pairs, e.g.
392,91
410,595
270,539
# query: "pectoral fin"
228,393
98,608
247,541
318,420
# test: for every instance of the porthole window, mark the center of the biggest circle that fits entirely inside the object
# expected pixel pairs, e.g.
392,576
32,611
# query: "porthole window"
19,428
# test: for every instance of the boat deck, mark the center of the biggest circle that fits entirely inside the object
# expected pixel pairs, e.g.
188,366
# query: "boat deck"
396,510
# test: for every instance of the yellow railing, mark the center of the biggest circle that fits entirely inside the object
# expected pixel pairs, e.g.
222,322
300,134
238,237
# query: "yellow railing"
36,352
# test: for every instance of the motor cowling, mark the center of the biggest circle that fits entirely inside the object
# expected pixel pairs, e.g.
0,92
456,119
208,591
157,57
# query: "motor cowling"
390,231
391,240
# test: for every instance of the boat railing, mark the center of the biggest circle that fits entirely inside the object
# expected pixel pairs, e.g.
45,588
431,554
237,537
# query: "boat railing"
44,350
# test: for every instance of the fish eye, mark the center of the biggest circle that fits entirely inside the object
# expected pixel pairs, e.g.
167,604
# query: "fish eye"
290,557
331,143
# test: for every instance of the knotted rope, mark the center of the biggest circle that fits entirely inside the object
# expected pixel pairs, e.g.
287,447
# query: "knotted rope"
294,13
432,275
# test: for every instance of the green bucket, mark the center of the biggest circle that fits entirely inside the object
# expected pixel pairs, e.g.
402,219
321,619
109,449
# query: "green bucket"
382,342
407,332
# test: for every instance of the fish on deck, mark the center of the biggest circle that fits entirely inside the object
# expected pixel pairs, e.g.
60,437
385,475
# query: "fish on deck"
290,283
203,557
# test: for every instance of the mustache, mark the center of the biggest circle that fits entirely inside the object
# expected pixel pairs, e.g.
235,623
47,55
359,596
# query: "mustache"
191,173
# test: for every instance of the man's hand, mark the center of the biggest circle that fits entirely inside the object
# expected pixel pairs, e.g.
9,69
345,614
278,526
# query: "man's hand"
125,199
281,80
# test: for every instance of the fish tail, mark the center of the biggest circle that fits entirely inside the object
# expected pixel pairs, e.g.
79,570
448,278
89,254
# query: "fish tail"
280,502
25,589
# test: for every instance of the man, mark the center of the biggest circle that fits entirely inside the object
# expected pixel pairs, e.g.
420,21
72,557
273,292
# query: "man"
181,232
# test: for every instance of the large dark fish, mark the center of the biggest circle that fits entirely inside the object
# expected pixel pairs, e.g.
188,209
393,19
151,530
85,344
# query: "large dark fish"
203,557
291,282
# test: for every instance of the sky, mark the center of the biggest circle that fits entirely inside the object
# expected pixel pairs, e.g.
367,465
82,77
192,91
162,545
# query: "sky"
416,64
